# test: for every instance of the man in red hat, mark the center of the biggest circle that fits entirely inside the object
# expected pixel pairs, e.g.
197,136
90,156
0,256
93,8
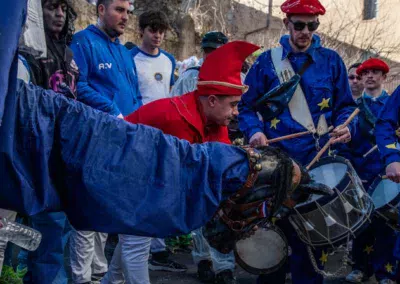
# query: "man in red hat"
373,249
198,117
373,73
322,99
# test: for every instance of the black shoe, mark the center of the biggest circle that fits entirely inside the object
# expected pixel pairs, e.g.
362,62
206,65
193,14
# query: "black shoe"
204,271
96,278
225,277
167,265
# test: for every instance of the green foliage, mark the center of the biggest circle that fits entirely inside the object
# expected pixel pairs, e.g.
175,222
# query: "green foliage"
8,276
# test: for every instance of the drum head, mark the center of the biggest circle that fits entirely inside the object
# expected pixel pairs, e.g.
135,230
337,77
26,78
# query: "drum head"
264,252
384,192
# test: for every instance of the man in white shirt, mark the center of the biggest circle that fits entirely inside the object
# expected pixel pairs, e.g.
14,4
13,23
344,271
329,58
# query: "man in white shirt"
155,67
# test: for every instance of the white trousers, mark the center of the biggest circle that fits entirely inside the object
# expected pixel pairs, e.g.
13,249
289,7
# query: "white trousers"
9,215
130,260
87,255
203,251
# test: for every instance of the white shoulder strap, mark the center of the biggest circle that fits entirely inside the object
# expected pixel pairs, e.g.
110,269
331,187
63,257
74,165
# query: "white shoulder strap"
298,106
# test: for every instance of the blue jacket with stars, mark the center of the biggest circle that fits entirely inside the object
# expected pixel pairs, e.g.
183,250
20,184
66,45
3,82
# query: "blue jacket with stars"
325,86
370,166
385,129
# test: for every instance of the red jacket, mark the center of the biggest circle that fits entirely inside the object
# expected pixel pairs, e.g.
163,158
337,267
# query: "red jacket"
181,117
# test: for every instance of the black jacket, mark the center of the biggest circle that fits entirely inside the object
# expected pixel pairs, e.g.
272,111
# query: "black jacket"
58,67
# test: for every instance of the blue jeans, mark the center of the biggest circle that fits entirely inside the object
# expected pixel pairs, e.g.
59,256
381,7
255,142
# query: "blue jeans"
46,264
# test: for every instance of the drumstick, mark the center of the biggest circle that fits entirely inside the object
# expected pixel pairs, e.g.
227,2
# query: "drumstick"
320,153
291,136
329,143
350,118
370,151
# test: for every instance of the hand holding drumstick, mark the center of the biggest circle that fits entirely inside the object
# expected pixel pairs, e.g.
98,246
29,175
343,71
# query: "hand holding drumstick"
340,134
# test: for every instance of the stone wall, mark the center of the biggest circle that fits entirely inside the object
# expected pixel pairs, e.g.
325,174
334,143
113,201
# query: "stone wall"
240,19
180,41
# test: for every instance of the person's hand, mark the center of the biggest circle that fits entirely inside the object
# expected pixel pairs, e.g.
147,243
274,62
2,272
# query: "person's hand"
393,172
341,135
258,139
398,132
120,116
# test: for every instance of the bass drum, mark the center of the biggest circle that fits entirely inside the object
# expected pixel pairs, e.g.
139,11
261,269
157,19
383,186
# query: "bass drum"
264,252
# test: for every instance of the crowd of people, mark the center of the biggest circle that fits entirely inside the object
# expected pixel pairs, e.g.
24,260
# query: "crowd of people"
210,102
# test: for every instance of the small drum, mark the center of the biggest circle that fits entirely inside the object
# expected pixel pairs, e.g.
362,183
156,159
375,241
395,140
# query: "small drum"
264,252
331,220
385,195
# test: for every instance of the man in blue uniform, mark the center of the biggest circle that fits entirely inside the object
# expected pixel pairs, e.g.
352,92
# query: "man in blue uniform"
323,100
386,137
372,250
387,141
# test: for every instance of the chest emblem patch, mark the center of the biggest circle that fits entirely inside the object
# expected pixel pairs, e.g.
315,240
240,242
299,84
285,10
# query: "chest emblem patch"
158,77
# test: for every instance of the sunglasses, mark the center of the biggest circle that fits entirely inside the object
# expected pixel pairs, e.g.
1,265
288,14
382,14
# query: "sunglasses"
299,26
352,77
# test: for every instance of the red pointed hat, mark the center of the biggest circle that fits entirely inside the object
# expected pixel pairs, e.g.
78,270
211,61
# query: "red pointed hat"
303,7
220,72
373,64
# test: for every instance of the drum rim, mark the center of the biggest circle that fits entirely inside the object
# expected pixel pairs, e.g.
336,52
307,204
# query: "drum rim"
341,185
372,188
256,271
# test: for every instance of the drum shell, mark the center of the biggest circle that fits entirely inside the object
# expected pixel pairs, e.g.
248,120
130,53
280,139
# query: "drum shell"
390,211
330,221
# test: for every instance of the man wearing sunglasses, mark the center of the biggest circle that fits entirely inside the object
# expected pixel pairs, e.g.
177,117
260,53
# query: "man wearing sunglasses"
356,84
322,99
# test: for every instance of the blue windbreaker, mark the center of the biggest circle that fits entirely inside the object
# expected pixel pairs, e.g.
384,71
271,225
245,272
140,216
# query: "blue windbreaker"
385,129
325,80
107,79
106,174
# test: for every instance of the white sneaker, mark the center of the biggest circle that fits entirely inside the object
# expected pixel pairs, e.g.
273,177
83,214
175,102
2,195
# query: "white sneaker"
356,276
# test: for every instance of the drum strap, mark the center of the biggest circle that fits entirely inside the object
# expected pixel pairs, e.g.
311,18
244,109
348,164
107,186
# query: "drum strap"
298,106
367,120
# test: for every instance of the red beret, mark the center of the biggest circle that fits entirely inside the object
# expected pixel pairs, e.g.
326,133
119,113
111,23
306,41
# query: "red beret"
373,64
304,7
